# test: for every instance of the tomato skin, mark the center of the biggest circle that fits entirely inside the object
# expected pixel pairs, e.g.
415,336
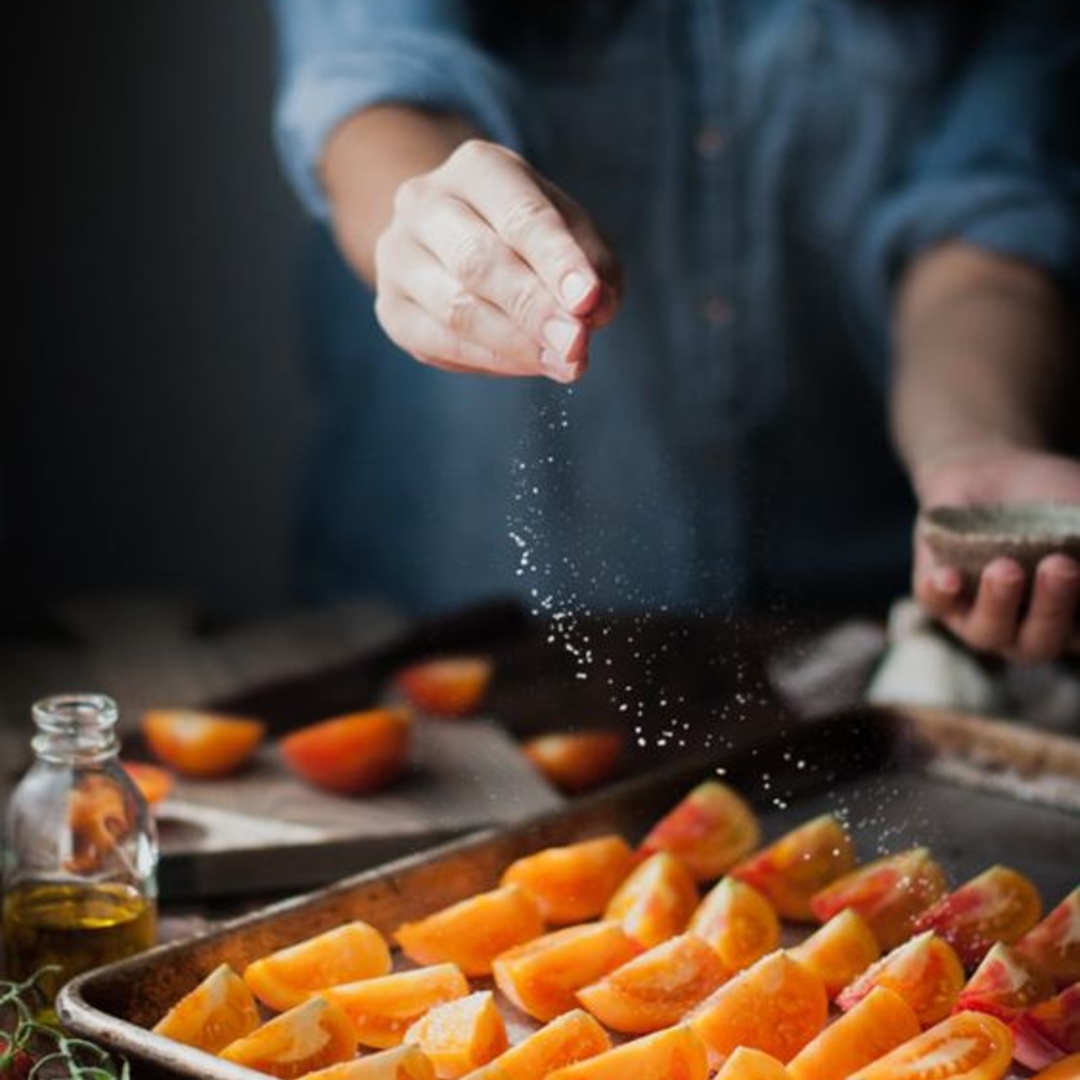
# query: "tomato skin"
1053,946
576,761
18,1068
966,1046
1048,1031
998,905
201,744
450,686
352,754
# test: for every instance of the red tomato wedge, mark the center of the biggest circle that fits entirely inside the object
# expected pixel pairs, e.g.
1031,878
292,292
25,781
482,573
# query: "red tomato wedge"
201,744
802,862
924,971
1053,946
967,1046
352,754
446,685
1004,985
1048,1031
889,893
998,905
710,830
576,761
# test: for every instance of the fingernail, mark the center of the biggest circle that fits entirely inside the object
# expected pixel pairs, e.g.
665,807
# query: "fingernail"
574,287
556,367
560,335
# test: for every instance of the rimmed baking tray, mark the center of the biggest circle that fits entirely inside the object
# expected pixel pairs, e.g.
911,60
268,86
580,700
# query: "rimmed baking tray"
975,791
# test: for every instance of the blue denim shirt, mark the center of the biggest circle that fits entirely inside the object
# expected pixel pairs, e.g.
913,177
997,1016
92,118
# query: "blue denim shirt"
764,168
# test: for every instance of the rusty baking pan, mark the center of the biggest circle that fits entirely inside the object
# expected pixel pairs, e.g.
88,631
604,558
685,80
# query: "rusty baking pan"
975,791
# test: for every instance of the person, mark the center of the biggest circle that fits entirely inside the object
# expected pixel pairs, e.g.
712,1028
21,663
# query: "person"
763,277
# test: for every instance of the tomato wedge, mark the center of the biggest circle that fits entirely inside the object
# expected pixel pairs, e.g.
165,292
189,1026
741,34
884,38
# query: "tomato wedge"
966,1046
201,744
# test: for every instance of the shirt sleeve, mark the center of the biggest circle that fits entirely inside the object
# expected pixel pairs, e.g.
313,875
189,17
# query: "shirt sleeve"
339,56
1000,168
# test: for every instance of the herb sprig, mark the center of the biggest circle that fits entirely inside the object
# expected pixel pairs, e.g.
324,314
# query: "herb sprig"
35,1051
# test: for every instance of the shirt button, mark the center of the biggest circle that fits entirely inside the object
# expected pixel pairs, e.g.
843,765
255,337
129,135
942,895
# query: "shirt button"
717,311
710,142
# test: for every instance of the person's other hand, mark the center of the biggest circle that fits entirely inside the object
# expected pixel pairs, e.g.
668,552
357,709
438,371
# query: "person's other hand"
488,267
1025,622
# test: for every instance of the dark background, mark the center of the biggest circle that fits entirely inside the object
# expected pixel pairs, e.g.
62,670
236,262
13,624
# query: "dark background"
152,401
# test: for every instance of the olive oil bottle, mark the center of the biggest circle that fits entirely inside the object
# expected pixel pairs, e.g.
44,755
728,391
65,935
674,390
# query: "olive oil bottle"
80,851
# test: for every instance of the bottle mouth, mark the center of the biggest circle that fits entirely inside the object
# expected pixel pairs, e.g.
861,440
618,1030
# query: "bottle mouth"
75,722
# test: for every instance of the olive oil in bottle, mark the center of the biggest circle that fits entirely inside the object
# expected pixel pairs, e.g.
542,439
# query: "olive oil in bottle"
80,851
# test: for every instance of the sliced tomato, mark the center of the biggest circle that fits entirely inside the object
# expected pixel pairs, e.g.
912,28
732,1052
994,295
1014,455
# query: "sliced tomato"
1048,1031
1065,1069
1004,985
737,922
924,971
201,744
889,893
1053,946
998,905
576,761
790,870
967,1046
154,782
352,754
709,830
447,685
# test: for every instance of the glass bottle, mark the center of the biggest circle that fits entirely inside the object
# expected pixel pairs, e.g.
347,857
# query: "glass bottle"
80,851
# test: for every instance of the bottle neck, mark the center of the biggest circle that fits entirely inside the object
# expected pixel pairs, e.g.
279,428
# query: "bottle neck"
75,729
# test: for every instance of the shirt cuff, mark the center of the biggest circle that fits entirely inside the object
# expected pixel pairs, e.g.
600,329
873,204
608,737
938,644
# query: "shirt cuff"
411,67
1014,216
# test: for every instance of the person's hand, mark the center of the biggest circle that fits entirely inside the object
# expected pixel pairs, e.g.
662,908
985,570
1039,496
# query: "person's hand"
1025,622
488,267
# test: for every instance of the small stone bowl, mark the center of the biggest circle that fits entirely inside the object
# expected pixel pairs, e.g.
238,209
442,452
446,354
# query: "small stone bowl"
969,537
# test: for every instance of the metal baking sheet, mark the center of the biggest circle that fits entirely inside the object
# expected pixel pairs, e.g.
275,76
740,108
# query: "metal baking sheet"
977,792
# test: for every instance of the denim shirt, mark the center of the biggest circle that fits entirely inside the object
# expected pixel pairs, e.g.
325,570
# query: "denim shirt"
764,169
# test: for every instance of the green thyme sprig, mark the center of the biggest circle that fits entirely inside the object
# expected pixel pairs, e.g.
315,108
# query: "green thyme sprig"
37,1050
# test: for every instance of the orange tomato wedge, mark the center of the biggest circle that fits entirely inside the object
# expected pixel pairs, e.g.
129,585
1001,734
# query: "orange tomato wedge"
574,882
775,1005
382,1009
967,1046
925,972
1053,946
1066,1069
656,901
998,905
399,1063
445,686
838,951
201,744
572,1037
748,1064
220,1010
673,1054
802,862
472,932
1049,1030
542,976
889,893
576,761
879,1023
657,988
344,954
460,1036
309,1037
154,782
710,830
352,754
738,922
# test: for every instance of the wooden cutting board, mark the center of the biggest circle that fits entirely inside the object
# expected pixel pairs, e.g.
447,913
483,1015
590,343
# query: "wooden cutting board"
267,831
